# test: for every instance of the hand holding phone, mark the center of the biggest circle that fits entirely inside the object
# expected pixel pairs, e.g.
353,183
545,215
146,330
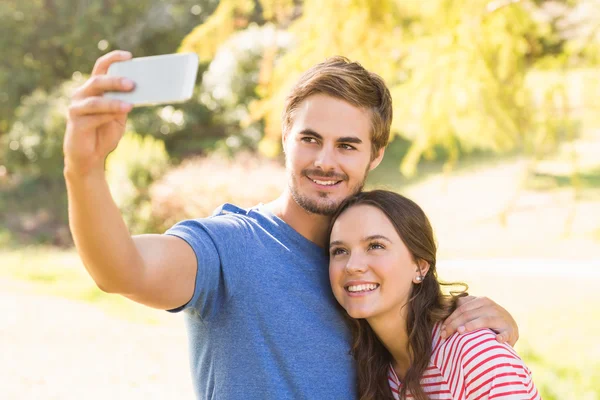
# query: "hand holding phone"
160,79
95,124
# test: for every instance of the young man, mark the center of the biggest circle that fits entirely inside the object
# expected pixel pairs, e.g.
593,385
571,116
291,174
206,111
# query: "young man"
262,321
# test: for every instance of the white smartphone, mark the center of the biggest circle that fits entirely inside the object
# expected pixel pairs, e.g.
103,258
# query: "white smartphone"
163,79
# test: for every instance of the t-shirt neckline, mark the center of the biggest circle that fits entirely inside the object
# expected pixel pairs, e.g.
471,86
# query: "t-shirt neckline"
291,232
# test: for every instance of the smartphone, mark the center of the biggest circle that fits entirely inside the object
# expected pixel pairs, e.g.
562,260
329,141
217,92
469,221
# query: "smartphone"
163,79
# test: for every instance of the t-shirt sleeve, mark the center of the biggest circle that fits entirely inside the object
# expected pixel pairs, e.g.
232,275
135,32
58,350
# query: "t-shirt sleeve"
493,370
218,244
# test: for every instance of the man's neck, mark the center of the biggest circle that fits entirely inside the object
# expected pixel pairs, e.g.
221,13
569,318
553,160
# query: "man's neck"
312,226
391,331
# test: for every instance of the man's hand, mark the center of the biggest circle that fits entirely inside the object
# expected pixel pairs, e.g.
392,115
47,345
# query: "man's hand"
480,312
95,124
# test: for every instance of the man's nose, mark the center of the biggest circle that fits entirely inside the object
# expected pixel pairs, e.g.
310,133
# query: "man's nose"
325,159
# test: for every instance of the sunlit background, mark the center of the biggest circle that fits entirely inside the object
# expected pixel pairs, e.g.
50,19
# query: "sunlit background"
496,134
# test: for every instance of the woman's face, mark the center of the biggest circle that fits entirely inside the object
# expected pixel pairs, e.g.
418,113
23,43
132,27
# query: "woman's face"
370,269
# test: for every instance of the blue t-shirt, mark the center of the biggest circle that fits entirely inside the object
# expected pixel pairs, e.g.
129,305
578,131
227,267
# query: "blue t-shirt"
263,322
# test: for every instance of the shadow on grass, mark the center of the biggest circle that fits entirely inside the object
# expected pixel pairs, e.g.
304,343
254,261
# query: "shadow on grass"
584,180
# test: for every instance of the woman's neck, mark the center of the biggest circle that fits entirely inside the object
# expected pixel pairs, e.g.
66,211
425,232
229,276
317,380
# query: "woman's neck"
393,334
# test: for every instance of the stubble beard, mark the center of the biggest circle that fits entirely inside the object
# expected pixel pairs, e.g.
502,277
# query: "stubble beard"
313,206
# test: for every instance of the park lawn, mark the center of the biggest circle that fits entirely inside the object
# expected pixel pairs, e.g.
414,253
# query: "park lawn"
558,316
60,273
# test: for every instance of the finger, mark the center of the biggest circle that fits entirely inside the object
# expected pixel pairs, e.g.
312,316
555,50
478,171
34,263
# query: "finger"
472,302
98,105
484,323
471,320
464,299
480,323
502,337
99,84
91,122
102,64
460,328
449,329
509,336
461,314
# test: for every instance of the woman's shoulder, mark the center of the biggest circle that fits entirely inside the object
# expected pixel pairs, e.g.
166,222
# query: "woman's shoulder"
471,349
485,365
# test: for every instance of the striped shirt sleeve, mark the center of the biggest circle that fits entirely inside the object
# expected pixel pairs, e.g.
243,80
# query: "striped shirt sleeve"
493,370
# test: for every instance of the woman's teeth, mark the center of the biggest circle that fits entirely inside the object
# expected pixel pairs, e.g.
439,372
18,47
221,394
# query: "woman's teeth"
362,288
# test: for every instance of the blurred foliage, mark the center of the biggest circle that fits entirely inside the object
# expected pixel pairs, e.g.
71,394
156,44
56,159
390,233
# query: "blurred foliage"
454,66
467,76
229,86
34,143
216,180
44,42
50,47
229,16
130,170
34,200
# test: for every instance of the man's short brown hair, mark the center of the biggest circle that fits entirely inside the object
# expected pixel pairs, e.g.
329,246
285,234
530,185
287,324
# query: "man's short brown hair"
345,80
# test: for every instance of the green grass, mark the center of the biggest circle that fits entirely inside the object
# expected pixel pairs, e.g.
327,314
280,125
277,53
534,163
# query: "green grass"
559,321
61,273
558,317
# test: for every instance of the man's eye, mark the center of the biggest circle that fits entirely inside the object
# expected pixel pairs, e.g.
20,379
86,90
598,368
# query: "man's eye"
347,147
309,140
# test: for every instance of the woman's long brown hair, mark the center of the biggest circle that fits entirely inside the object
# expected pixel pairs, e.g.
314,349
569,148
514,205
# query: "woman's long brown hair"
426,306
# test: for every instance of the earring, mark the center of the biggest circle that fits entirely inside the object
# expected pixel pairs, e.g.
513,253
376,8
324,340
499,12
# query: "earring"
419,279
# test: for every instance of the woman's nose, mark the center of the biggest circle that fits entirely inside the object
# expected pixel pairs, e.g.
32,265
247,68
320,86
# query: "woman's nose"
356,265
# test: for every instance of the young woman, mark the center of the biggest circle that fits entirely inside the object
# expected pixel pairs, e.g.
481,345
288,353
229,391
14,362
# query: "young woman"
382,272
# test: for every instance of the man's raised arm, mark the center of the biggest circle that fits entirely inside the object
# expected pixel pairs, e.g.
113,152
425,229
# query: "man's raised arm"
155,270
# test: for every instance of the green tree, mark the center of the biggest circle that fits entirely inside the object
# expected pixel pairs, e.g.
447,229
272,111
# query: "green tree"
453,67
457,69
45,42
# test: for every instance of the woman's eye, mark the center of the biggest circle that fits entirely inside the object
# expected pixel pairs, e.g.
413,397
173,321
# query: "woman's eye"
376,246
337,252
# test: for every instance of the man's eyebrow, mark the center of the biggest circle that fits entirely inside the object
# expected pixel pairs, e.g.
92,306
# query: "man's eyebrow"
310,132
343,139
349,139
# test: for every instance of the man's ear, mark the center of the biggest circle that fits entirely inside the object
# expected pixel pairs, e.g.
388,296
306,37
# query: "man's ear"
284,137
375,162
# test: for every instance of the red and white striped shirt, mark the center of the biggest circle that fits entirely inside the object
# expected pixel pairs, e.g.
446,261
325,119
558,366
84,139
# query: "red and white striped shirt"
472,366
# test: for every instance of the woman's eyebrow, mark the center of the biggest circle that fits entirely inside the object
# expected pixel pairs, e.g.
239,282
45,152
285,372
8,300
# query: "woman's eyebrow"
374,237
335,243
366,239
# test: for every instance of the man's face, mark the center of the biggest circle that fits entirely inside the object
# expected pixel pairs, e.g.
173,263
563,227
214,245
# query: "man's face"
328,153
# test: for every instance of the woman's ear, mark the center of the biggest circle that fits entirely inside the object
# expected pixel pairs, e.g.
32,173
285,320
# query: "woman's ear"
422,267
